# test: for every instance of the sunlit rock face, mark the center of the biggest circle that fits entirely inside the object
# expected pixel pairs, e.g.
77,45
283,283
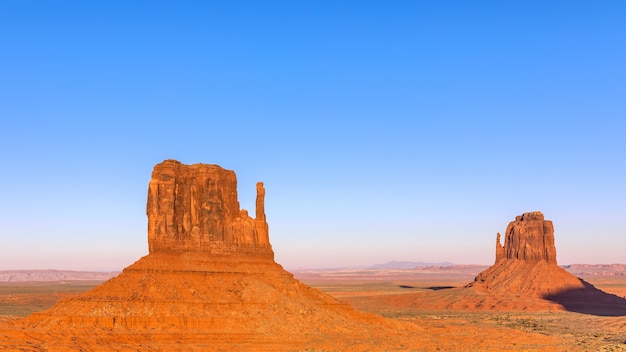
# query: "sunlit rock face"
529,238
195,208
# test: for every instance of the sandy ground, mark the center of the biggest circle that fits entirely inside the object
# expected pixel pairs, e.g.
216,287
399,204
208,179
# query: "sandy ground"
382,292
445,329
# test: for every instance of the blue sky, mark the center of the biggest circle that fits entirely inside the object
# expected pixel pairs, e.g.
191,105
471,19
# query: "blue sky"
398,130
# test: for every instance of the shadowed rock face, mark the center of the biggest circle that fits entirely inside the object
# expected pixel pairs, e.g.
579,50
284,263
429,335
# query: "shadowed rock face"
195,208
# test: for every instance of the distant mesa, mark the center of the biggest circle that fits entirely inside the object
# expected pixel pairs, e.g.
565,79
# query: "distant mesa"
597,269
209,282
526,267
54,275
525,276
395,264
526,264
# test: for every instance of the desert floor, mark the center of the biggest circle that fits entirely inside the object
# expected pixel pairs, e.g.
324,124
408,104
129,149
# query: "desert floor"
360,288
573,331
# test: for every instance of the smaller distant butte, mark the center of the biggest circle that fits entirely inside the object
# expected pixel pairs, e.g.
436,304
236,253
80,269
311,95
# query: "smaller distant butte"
525,276
526,264
526,267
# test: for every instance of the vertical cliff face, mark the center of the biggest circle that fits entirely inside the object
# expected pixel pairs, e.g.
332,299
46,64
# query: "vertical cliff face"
195,208
529,238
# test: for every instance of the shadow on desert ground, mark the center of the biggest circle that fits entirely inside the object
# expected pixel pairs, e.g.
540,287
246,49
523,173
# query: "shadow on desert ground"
432,288
589,300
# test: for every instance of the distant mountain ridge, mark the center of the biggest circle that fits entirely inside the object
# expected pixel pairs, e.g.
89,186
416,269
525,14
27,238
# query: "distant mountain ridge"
395,264
596,269
72,275
54,275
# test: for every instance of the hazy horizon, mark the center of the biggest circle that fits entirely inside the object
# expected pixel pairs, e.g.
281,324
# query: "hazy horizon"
346,267
382,131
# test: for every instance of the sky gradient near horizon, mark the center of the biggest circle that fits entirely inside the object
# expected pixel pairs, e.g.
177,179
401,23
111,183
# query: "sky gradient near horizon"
383,131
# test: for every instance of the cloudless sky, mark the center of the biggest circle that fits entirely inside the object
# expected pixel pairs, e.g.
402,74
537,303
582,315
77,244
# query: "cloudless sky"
406,130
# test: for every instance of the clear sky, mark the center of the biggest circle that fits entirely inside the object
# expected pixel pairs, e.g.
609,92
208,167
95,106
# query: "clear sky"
406,130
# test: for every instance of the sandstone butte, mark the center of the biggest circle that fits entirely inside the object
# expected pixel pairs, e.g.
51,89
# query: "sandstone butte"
526,264
525,276
210,283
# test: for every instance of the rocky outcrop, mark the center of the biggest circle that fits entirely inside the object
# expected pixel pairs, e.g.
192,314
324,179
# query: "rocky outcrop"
529,238
209,283
525,276
195,208
526,263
